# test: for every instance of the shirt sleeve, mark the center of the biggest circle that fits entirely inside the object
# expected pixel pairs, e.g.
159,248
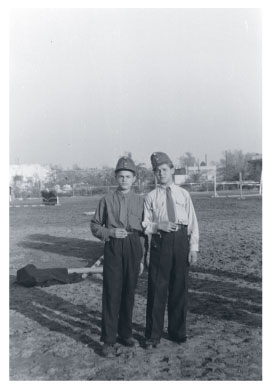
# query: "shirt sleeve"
98,222
148,224
193,228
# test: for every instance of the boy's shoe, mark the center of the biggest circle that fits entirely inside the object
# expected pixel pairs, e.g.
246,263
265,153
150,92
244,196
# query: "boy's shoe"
128,342
178,340
151,343
108,350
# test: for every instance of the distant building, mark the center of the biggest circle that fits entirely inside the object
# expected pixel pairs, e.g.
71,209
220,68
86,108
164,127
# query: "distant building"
256,163
205,172
25,172
180,176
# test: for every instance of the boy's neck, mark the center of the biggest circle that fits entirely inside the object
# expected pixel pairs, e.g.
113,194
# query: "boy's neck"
167,184
124,191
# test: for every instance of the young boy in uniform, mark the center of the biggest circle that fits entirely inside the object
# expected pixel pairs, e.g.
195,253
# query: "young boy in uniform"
170,218
118,222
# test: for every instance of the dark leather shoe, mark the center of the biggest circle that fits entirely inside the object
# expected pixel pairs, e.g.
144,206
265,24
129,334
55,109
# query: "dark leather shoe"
128,342
178,340
151,343
108,350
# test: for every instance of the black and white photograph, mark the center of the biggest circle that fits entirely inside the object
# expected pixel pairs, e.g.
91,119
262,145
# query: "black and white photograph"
135,194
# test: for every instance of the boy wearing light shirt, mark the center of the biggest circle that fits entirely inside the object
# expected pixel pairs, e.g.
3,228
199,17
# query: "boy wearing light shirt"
170,219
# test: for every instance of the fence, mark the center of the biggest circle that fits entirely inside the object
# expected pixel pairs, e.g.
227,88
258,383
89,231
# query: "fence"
216,188
102,190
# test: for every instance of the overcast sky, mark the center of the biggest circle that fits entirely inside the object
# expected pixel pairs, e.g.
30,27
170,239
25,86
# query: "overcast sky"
86,85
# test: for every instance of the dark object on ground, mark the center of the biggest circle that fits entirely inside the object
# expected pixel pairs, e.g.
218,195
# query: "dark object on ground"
30,276
49,197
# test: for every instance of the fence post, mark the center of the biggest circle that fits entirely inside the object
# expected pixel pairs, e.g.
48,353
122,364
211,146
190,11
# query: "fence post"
241,185
260,191
215,185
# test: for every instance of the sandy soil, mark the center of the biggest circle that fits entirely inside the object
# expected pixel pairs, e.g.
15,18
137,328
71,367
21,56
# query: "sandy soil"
54,331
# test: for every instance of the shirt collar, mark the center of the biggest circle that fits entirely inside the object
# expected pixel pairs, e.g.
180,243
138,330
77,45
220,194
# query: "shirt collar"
121,194
170,186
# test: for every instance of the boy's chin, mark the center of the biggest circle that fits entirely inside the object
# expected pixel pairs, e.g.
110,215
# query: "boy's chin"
124,187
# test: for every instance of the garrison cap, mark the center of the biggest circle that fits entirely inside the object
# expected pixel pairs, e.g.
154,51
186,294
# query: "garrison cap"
125,163
158,158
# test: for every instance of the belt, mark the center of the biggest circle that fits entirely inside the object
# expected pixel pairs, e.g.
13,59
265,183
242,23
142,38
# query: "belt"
131,231
180,227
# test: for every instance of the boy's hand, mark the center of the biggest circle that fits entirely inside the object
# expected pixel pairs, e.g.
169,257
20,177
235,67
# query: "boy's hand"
193,257
119,233
141,268
167,226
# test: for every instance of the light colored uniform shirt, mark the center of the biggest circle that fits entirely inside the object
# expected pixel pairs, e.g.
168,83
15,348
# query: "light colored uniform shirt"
155,211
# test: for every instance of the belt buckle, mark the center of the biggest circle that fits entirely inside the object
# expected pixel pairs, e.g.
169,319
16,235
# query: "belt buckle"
179,226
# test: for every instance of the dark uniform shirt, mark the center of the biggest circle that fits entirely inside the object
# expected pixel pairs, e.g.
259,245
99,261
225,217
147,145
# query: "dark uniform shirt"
117,210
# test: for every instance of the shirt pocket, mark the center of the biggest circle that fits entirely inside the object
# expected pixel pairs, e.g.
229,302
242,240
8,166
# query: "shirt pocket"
180,207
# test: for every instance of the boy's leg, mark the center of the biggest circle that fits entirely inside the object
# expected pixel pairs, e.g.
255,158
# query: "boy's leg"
178,287
132,254
112,289
161,257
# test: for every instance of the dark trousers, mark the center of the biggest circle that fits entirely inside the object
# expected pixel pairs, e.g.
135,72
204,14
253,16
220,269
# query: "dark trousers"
120,275
168,281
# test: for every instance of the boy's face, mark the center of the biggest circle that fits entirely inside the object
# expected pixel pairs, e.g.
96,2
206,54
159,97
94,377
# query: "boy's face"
164,174
125,179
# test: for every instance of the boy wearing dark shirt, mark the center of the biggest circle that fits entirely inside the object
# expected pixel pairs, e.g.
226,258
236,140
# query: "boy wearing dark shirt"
118,222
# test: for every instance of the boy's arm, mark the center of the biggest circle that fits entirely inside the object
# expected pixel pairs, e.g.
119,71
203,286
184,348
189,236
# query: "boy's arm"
193,228
148,224
98,222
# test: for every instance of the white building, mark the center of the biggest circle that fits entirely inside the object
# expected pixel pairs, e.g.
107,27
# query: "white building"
206,173
34,171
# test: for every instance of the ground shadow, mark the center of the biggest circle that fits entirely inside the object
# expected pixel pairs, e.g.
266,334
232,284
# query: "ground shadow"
60,315
226,273
217,299
221,300
55,313
71,247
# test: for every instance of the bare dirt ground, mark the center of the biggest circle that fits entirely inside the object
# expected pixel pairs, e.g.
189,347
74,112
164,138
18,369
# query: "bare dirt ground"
55,331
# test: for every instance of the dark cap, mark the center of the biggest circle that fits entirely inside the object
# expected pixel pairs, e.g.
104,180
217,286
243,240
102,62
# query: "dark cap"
125,163
158,158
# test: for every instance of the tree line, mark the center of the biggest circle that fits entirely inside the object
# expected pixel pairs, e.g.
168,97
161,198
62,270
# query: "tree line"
228,167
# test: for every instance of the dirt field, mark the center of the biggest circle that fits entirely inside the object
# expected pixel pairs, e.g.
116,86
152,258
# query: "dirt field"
54,331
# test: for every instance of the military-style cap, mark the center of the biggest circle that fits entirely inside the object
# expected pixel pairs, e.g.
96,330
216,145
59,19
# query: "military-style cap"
125,163
158,158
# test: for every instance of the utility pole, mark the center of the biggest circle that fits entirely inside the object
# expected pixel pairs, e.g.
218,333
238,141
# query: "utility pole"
226,165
